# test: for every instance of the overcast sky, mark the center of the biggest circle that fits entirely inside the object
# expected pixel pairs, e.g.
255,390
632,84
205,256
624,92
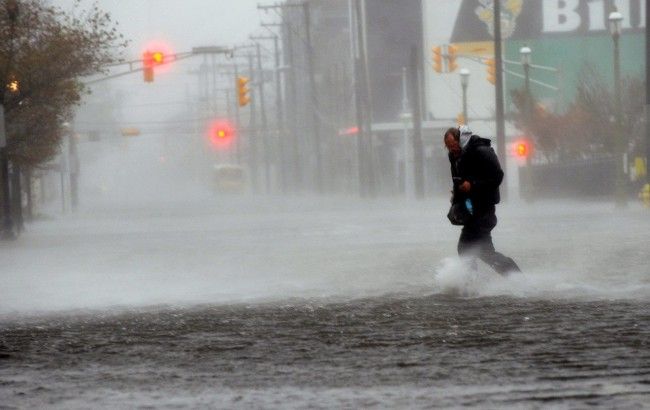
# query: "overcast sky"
182,23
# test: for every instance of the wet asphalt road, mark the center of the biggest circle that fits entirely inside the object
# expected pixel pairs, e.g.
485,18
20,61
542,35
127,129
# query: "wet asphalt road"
393,351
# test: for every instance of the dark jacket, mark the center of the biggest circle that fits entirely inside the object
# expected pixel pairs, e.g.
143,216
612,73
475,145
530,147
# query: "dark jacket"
478,164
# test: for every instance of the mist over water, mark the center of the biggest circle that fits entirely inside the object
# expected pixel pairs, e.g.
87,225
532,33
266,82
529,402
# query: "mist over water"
151,232
161,292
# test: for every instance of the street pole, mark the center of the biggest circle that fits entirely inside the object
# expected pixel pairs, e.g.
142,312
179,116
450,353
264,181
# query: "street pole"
525,53
265,126
406,118
314,99
280,116
364,104
358,101
291,120
500,120
292,112
7,225
620,144
252,130
238,140
367,99
464,81
418,149
647,93
74,169
280,158
16,196
620,180
12,8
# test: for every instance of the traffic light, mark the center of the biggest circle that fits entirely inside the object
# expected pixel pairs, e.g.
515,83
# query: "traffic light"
150,59
452,54
158,57
242,90
148,74
221,134
522,149
491,70
437,59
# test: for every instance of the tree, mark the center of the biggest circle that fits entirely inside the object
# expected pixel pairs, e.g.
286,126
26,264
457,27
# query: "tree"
588,128
46,51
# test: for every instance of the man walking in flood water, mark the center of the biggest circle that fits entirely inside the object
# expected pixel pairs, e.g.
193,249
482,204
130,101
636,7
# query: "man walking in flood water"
476,174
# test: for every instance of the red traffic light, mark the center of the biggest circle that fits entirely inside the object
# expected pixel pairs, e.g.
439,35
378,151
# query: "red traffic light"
153,58
221,134
522,148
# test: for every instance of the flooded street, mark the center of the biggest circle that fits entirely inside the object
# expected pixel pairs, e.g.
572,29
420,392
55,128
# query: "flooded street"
401,351
321,305
213,204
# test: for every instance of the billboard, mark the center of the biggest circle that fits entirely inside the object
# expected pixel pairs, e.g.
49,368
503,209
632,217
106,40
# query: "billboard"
570,36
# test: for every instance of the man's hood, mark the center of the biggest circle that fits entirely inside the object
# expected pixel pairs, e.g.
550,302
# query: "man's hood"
465,135
475,141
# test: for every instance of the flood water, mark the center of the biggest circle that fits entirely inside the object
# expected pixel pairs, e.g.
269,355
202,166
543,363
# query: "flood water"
325,304
393,351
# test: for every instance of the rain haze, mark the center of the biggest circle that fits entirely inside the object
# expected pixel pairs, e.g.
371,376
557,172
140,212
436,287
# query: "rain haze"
247,205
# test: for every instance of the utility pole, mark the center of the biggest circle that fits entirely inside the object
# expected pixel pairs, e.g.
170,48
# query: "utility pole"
500,120
292,111
314,98
237,117
280,114
418,149
265,126
292,99
252,127
647,92
278,107
365,106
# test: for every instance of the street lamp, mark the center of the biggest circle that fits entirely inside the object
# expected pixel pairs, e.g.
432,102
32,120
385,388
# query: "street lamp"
525,53
614,20
464,81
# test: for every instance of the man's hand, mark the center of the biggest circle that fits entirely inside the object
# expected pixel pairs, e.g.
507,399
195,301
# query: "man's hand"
465,187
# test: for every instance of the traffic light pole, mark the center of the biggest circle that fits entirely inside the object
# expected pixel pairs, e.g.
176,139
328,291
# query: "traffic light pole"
500,120
237,118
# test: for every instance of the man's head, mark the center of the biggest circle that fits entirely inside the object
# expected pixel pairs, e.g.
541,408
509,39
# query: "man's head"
452,141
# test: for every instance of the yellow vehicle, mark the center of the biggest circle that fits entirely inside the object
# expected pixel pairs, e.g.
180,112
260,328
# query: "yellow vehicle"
229,178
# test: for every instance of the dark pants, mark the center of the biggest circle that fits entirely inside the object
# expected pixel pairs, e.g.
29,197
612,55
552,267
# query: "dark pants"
476,241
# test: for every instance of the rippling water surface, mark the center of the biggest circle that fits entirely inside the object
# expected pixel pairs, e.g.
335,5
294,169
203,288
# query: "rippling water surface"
315,303
396,351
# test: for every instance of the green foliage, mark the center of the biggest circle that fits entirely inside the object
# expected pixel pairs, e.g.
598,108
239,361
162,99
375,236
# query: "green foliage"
47,51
